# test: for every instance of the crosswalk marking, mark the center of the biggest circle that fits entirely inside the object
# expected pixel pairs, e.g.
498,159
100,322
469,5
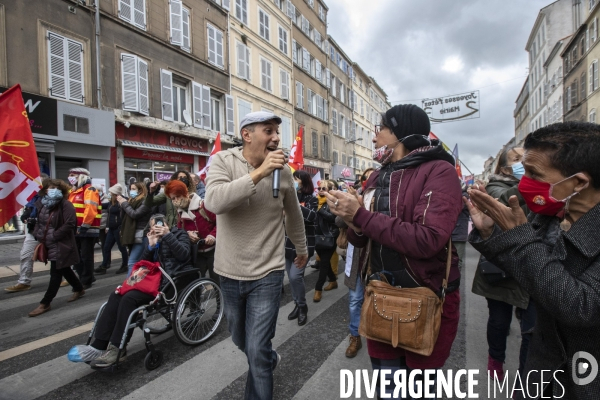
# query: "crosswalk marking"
16,351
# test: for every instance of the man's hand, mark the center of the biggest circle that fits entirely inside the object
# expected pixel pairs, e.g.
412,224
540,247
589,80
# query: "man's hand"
300,260
485,211
154,186
121,199
209,240
274,160
193,236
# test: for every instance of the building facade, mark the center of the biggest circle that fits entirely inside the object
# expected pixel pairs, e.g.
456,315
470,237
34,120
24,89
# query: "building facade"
591,57
261,73
575,87
363,147
521,113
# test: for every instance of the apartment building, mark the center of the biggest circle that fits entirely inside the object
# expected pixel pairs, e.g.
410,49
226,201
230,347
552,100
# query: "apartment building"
378,104
521,113
363,147
261,73
554,22
130,89
311,80
592,55
553,89
575,82
343,128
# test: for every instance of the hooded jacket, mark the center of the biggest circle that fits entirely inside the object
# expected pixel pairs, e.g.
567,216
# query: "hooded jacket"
251,236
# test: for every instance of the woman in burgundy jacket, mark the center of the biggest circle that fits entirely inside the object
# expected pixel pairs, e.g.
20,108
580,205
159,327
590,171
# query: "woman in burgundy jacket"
408,211
198,222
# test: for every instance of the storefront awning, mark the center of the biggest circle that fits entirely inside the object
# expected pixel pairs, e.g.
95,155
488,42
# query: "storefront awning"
158,147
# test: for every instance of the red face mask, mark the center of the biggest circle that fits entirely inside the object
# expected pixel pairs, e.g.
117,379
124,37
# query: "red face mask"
538,196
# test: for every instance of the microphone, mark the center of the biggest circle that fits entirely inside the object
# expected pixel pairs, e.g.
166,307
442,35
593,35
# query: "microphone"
276,180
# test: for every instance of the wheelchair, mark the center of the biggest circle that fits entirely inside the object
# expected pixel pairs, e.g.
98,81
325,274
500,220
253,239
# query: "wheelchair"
194,313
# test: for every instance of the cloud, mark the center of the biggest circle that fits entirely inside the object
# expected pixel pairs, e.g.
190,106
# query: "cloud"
433,48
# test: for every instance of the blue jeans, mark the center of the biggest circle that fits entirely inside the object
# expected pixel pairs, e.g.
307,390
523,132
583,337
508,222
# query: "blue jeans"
355,300
135,254
296,277
251,309
112,237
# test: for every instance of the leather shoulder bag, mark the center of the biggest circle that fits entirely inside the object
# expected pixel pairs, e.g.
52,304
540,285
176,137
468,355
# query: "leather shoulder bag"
408,318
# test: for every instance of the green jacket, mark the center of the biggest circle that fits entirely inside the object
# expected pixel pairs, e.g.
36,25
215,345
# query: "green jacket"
502,187
157,200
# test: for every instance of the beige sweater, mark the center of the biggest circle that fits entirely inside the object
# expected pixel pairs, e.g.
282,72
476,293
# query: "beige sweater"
251,232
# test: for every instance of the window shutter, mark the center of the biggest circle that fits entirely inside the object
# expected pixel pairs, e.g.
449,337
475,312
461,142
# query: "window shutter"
185,18
325,110
227,4
125,10
305,59
143,86
229,114
197,96
267,28
334,120
56,66
333,87
248,76
284,85
175,9
595,75
212,53
75,71
139,13
241,60
261,23
206,107
309,99
328,78
129,82
318,70
294,55
166,94
219,48
269,77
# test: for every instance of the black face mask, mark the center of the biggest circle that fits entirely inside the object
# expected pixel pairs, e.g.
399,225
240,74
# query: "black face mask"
185,180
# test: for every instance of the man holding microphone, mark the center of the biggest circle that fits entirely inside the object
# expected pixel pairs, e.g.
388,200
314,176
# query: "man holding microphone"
250,241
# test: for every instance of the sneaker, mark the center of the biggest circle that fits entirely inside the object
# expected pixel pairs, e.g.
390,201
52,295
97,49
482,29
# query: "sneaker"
19,287
277,361
496,368
109,357
64,283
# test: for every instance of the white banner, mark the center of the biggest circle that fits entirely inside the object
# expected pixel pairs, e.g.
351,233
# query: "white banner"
452,108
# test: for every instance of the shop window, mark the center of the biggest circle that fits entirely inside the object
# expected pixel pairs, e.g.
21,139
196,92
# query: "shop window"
76,124
137,170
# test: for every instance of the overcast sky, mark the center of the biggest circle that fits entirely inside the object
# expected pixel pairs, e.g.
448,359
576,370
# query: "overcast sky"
432,48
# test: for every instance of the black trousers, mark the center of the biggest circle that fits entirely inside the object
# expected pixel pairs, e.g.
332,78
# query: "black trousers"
325,270
85,267
56,276
113,320
206,261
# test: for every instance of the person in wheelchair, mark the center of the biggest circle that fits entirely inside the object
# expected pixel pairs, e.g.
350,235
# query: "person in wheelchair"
170,246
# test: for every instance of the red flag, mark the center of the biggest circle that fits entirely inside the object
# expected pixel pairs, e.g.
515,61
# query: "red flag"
296,161
432,136
216,148
19,170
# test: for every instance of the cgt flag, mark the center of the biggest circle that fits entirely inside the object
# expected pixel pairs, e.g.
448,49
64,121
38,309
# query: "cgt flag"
296,161
216,148
19,171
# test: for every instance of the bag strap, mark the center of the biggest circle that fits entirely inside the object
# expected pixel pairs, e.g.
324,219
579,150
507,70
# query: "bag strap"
47,226
448,264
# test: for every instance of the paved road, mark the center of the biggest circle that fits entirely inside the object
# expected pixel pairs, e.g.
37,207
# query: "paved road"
33,362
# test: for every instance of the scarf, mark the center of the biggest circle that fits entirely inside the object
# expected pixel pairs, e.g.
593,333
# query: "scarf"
49,202
322,200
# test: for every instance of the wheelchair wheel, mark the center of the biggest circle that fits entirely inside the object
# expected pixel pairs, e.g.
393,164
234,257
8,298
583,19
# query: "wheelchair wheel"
159,322
198,312
153,360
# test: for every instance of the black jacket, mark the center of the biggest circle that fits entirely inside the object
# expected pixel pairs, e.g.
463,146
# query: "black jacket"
114,216
561,271
461,230
308,206
326,223
173,253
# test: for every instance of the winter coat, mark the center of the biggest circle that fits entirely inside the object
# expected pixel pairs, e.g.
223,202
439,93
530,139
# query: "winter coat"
135,215
115,217
153,200
193,219
60,238
173,253
325,225
461,230
355,272
308,206
420,209
561,271
508,290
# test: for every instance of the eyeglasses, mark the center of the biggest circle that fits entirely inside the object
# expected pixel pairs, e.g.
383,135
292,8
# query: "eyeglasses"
323,188
379,128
